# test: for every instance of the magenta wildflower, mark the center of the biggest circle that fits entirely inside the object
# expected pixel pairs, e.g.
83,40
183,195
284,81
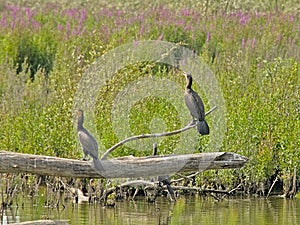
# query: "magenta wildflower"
29,13
180,22
119,13
59,27
68,28
187,28
207,37
3,21
185,12
80,29
35,24
140,18
12,24
83,15
243,43
161,37
142,30
14,10
244,19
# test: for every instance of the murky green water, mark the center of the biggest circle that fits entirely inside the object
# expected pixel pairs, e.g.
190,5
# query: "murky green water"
187,210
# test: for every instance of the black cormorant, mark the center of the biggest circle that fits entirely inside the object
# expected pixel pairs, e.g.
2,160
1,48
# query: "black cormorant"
165,179
195,106
87,141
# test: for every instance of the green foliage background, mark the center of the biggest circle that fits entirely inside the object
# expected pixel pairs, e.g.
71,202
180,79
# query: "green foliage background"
252,47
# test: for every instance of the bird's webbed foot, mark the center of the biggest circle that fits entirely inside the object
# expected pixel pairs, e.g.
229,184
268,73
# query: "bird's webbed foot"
192,122
85,157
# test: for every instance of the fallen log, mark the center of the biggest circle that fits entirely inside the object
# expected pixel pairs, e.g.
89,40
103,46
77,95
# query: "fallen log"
43,222
122,167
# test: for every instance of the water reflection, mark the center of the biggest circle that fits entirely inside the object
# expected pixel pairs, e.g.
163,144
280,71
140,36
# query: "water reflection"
187,210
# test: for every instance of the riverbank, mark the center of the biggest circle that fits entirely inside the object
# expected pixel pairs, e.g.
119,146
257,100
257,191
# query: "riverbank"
47,204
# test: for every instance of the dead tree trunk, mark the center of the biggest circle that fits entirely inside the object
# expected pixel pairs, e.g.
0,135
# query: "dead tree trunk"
123,167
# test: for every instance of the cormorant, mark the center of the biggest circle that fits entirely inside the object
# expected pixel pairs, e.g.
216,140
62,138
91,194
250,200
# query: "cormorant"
165,180
195,106
87,141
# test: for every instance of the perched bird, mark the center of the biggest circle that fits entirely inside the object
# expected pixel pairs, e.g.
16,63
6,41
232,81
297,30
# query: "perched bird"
165,179
87,142
195,106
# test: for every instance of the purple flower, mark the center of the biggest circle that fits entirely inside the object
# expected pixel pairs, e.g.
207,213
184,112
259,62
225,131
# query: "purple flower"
59,27
35,24
14,13
68,28
142,29
244,19
3,21
12,25
83,16
243,43
29,13
161,37
207,37
185,12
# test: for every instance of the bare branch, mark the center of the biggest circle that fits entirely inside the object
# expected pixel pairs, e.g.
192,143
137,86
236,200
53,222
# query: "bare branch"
137,183
276,179
142,136
189,177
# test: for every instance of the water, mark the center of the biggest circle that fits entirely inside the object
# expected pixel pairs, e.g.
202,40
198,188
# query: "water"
187,210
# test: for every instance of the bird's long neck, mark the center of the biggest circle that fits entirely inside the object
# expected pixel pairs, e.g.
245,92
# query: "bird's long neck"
189,83
80,122
154,149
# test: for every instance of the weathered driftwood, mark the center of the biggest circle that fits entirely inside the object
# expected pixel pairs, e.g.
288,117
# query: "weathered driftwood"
123,167
43,222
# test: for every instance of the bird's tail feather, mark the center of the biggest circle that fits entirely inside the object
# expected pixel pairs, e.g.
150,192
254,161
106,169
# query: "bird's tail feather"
97,165
202,127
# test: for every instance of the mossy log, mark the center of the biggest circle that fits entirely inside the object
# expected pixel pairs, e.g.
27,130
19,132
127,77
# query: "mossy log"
122,167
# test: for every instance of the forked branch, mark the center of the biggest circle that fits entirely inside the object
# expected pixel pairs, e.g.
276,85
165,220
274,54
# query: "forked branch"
141,136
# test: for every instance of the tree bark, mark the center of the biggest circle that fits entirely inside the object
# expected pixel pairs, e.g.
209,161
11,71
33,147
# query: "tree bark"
43,222
123,167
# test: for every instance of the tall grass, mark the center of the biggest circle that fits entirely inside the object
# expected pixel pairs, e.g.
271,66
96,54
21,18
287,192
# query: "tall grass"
46,47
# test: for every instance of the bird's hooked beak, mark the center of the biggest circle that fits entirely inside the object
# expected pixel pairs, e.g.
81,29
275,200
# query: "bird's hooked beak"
186,74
